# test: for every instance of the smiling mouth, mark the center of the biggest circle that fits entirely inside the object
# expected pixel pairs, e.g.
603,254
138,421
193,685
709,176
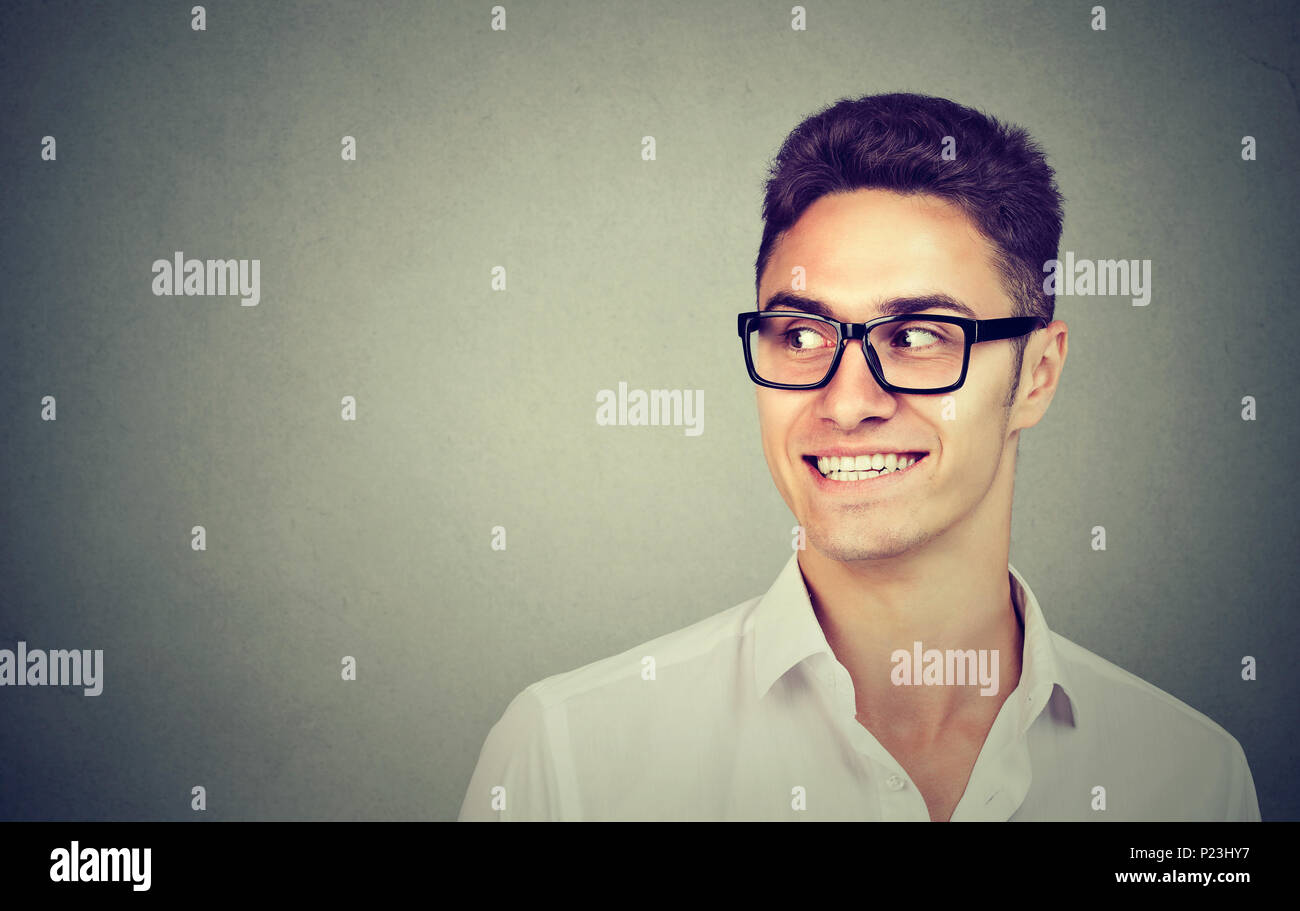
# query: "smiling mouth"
863,467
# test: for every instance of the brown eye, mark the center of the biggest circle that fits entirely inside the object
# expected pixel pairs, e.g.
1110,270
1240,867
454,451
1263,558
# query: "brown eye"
914,337
804,338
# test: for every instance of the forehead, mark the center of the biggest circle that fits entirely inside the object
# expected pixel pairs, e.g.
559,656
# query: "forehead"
858,249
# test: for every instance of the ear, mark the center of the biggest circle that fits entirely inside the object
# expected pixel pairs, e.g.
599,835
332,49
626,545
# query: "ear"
1039,375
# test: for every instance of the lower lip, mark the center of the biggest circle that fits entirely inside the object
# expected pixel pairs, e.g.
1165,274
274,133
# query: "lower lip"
879,482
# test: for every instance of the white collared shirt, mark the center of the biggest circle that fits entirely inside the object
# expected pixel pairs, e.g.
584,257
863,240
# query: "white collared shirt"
748,715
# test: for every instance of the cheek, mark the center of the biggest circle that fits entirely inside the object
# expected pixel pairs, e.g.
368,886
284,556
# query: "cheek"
969,425
776,418
976,449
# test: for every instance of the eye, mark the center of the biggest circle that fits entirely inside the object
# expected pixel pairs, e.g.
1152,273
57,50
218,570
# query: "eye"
804,338
915,337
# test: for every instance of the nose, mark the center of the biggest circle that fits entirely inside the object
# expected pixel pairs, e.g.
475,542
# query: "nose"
854,394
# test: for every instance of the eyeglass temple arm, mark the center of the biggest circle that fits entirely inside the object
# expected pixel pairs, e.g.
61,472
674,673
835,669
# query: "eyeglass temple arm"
991,330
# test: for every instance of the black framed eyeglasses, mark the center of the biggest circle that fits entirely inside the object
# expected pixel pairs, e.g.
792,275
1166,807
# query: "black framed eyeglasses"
923,353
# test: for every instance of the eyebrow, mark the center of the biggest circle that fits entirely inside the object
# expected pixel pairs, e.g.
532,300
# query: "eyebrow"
894,306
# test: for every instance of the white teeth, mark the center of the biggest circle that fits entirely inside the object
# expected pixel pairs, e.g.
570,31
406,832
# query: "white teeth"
860,468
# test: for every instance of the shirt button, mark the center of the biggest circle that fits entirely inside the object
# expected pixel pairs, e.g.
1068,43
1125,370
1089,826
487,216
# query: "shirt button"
895,783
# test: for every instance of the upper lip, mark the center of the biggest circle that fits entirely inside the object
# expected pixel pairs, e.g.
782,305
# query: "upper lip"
846,453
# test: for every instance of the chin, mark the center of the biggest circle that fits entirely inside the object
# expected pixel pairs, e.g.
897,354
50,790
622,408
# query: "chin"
847,545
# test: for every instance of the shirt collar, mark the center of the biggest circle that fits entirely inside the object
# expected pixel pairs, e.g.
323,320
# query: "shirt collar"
786,630
1041,666
786,633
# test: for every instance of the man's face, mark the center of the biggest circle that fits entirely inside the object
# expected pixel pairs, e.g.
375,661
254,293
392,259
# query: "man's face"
858,251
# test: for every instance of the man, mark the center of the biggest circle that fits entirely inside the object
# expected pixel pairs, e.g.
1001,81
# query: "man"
899,668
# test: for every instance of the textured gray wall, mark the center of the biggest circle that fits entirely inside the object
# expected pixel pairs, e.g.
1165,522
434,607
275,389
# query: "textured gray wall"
479,148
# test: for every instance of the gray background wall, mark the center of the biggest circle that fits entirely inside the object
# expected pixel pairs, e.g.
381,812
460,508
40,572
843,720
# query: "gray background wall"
476,408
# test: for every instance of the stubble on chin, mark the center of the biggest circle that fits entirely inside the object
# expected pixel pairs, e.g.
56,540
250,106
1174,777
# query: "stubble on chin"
851,539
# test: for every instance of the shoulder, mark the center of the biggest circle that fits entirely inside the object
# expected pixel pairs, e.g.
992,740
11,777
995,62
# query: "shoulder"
685,654
608,707
1108,688
1149,735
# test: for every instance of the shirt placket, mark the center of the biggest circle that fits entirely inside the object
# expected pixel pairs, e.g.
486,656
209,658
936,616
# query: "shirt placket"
898,798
